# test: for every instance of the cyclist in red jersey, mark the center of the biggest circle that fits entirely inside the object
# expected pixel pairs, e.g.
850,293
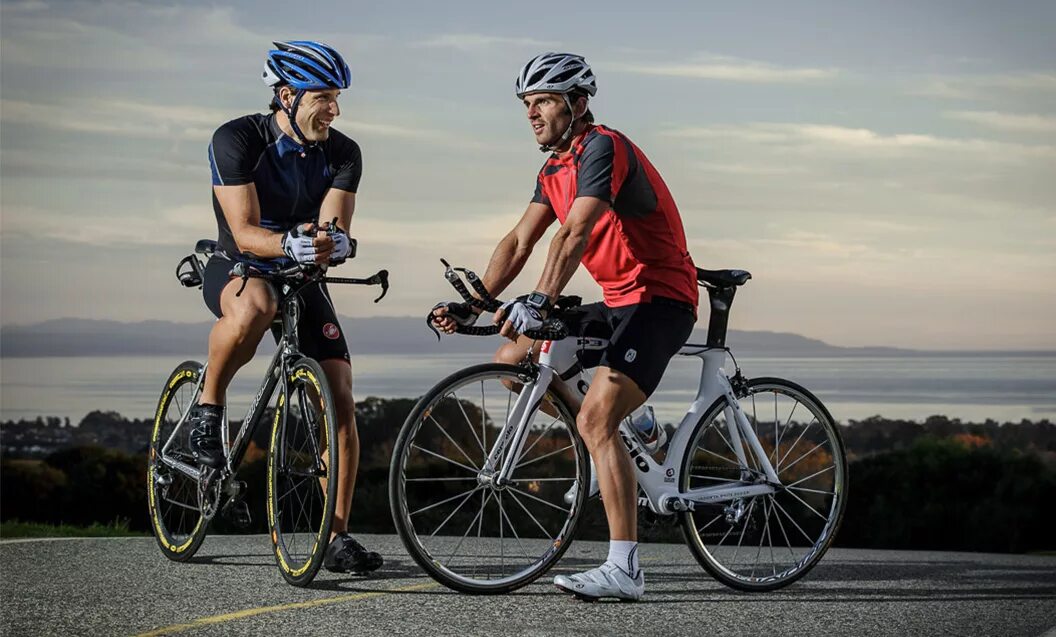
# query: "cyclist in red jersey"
619,220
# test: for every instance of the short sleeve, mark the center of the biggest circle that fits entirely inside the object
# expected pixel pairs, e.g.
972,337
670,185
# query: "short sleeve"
348,160
596,169
230,157
540,195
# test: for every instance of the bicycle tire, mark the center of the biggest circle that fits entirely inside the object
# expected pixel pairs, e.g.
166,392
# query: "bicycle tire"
172,497
547,546
302,472
787,515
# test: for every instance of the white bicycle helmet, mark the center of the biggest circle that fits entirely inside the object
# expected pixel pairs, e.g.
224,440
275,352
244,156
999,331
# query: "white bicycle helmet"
556,73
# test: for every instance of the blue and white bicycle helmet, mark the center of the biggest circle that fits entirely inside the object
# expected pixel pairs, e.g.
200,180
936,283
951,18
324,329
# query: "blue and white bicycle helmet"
304,65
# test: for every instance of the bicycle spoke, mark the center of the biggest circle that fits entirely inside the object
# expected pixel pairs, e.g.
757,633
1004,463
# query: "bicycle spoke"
820,444
781,526
816,473
473,478
713,521
724,458
744,527
798,438
534,519
468,495
534,460
791,519
468,529
513,529
445,500
457,446
804,503
549,504
445,459
524,453
543,480
812,490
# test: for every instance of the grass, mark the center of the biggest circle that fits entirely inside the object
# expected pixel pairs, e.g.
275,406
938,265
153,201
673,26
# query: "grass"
117,528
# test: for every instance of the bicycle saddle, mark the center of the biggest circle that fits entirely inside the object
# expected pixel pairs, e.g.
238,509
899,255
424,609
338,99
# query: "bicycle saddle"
723,278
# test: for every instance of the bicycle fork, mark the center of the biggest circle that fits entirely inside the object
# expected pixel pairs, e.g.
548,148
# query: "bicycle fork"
509,445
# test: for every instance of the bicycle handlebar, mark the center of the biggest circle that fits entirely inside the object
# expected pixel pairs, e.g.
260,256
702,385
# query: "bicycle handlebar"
302,275
553,329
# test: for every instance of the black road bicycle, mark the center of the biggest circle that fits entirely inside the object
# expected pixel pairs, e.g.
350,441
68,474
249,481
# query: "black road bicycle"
302,456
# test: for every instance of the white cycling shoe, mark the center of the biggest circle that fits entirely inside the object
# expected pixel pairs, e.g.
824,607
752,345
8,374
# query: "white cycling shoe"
607,580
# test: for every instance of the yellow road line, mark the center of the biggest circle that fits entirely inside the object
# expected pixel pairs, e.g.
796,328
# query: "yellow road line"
201,622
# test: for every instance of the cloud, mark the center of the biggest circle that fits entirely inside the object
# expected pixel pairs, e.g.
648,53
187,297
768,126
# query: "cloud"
180,226
730,69
1015,122
984,86
476,42
810,137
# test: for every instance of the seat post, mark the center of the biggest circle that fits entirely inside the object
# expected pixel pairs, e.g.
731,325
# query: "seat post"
721,299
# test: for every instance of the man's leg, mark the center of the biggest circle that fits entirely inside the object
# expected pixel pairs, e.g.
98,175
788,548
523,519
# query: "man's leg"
339,375
232,343
611,397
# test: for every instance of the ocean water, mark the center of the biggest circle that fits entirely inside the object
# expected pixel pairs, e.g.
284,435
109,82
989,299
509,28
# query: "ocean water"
972,388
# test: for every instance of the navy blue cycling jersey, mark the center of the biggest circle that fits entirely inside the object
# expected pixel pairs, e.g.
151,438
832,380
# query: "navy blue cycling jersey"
291,180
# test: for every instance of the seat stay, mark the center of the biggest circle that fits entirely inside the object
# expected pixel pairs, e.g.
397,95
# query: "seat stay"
183,419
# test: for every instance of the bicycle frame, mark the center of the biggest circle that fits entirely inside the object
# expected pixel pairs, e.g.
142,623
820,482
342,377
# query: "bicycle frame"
557,361
287,350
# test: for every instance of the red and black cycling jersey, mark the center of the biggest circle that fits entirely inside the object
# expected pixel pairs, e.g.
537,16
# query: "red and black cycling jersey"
291,180
637,249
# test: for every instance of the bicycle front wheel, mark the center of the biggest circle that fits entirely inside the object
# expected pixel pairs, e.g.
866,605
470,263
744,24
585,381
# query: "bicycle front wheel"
172,493
302,472
466,532
765,542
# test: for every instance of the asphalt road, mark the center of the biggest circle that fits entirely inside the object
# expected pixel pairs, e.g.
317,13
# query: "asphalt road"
124,586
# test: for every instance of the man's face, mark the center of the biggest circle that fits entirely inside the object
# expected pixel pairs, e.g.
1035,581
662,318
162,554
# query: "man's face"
548,115
316,112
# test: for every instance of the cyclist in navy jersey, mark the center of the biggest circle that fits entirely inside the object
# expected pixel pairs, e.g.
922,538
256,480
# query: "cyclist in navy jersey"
278,179
620,221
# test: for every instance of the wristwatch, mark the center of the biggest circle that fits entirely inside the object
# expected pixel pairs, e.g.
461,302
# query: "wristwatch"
539,301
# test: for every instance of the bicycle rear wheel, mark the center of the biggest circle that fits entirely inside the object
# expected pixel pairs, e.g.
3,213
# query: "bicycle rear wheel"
302,472
467,533
761,543
172,495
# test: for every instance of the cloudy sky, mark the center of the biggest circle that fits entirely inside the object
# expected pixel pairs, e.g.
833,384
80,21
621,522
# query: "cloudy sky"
888,175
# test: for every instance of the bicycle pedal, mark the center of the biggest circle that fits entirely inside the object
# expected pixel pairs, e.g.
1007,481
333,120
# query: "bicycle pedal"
237,513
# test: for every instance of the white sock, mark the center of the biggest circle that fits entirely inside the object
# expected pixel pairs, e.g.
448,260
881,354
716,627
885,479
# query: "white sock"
624,553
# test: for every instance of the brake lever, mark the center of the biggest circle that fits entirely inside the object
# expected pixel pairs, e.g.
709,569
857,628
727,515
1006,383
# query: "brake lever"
381,277
239,270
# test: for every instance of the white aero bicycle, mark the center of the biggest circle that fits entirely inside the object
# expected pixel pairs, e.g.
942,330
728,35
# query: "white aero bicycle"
489,476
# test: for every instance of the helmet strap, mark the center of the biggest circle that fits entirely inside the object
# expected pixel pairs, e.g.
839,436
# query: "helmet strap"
549,148
291,114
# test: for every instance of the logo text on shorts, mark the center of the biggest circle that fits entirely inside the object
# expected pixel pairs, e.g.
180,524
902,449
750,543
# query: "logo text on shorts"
630,355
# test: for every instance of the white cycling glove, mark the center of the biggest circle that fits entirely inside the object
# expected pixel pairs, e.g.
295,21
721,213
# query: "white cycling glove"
344,247
298,247
522,316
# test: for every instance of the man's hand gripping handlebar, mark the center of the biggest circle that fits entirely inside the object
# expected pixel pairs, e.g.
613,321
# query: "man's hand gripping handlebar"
553,329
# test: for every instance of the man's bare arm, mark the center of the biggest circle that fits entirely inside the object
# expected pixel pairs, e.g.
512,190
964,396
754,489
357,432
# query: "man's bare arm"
569,243
242,212
340,204
513,251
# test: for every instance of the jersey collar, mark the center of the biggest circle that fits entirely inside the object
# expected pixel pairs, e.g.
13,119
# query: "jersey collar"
283,142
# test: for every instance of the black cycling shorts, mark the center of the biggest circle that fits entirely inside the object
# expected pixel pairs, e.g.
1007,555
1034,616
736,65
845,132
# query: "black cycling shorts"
642,338
319,332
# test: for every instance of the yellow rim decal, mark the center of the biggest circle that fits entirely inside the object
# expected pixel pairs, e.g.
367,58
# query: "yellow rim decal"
155,517
299,374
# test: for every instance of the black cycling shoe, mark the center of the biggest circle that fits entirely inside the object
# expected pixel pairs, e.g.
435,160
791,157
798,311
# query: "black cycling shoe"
205,421
346,555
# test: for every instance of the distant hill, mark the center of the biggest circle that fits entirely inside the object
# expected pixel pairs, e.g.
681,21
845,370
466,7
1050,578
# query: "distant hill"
378,335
